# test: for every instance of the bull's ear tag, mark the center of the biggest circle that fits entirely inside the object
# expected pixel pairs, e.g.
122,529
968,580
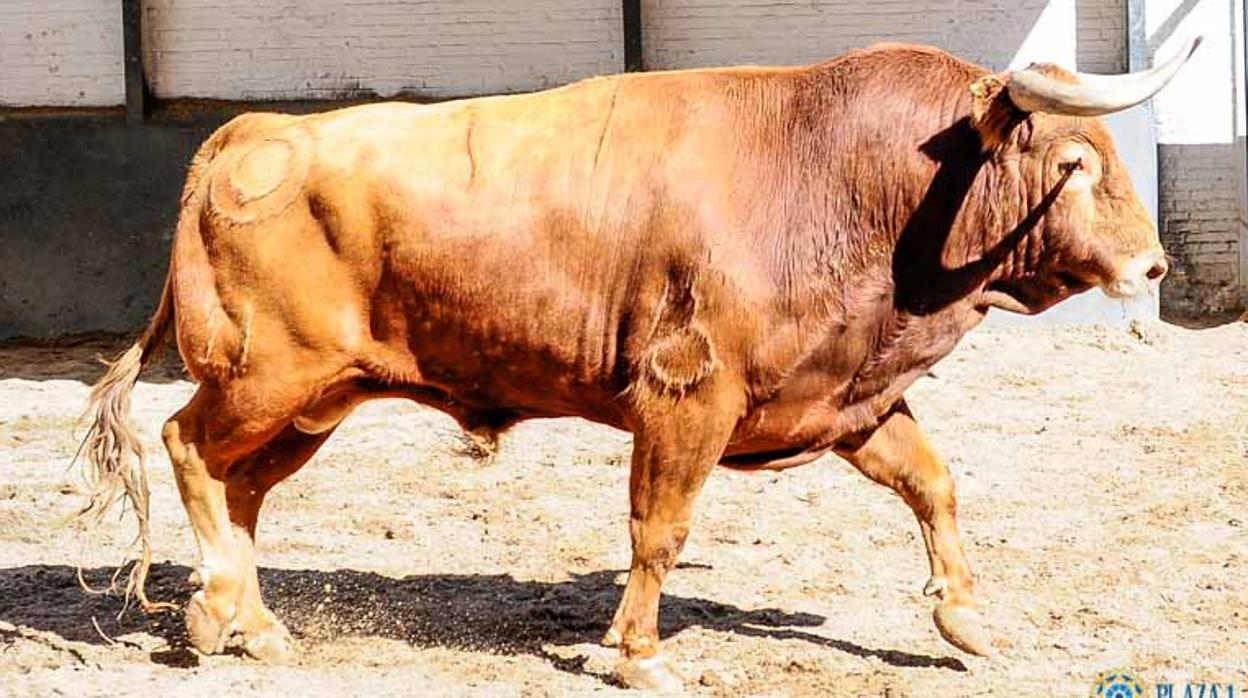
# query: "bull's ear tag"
991,110
983,92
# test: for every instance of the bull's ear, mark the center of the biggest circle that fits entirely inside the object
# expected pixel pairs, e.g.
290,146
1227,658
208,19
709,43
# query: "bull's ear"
992,112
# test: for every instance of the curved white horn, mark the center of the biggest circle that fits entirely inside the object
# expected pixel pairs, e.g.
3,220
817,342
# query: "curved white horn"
1093,95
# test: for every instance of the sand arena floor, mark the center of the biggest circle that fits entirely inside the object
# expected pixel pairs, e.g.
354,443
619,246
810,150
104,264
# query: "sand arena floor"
1103,478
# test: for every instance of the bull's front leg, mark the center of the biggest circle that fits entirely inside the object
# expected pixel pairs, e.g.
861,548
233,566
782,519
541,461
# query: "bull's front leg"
676,442
897,455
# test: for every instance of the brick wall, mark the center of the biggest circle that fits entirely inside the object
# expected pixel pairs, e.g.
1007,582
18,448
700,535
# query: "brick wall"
300,49
690,33
1200,205
1101,36
61,52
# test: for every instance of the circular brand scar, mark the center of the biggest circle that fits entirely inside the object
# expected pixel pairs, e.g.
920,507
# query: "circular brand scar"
260,180
261,170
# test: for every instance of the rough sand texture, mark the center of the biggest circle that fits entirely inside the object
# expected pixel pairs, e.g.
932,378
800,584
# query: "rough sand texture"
1103,480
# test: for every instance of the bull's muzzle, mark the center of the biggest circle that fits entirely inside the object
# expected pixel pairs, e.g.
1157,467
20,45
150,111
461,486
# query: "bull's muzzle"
1139,274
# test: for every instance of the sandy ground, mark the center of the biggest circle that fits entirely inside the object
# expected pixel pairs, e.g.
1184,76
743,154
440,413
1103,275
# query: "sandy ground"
1103,477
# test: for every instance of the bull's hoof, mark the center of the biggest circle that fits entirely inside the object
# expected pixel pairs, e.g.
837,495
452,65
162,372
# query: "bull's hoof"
272,646
648,674
206,632
613,638
963,627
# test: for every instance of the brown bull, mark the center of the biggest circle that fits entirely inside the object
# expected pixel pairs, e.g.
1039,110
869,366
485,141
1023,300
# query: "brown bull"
745,267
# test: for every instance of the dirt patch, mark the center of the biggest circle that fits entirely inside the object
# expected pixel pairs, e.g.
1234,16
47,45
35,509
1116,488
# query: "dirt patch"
1103,478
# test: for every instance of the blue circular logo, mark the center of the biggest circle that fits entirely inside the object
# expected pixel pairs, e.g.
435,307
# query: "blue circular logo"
1117,683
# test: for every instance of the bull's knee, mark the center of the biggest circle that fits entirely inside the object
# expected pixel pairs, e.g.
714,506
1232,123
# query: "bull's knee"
931,494
657,546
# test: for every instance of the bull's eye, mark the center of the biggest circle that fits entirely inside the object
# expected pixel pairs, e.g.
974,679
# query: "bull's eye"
1076,165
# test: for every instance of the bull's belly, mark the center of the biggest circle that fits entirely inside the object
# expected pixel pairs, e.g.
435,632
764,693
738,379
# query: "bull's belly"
792,430
775,437
484,361
515,391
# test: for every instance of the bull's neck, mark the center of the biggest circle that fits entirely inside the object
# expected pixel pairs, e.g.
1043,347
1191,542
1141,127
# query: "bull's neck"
965,230
912,286
923,223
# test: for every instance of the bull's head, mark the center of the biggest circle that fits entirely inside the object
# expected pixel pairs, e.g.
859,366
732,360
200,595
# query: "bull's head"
1047,149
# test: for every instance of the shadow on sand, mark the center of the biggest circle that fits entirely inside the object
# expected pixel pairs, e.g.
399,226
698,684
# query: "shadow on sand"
485,613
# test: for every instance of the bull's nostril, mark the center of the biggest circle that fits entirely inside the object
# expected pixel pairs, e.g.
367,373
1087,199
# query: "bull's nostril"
1158,270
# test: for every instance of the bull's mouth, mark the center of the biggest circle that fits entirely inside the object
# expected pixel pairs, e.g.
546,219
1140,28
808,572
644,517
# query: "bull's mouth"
1140,275
1029,298
1126,289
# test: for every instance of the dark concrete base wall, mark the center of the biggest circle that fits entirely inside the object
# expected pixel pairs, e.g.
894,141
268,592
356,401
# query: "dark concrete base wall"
87,209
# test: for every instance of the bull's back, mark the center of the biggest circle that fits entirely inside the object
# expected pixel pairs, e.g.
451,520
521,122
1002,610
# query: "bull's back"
529,241
504,243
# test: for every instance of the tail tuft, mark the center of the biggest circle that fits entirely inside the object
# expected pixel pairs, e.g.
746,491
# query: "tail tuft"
116,465
111,442
116,468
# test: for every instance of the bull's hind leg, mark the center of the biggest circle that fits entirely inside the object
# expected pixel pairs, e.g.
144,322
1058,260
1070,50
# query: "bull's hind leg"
675,444
217,444
897,455
264,635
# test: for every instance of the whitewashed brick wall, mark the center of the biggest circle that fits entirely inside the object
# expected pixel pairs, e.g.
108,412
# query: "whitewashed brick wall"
1101,35
301,49
690,33
61,52
1200,224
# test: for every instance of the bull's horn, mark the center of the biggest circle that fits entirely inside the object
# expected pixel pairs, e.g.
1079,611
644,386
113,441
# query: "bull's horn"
1093,95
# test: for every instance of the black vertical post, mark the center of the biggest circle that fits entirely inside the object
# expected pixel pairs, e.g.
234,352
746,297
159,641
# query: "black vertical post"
132,37
633,60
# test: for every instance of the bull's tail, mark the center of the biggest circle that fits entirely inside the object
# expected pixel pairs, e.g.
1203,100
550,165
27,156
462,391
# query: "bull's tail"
116,465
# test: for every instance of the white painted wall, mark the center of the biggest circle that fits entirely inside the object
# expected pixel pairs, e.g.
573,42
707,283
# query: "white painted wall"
61,52
311,49
1199,106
